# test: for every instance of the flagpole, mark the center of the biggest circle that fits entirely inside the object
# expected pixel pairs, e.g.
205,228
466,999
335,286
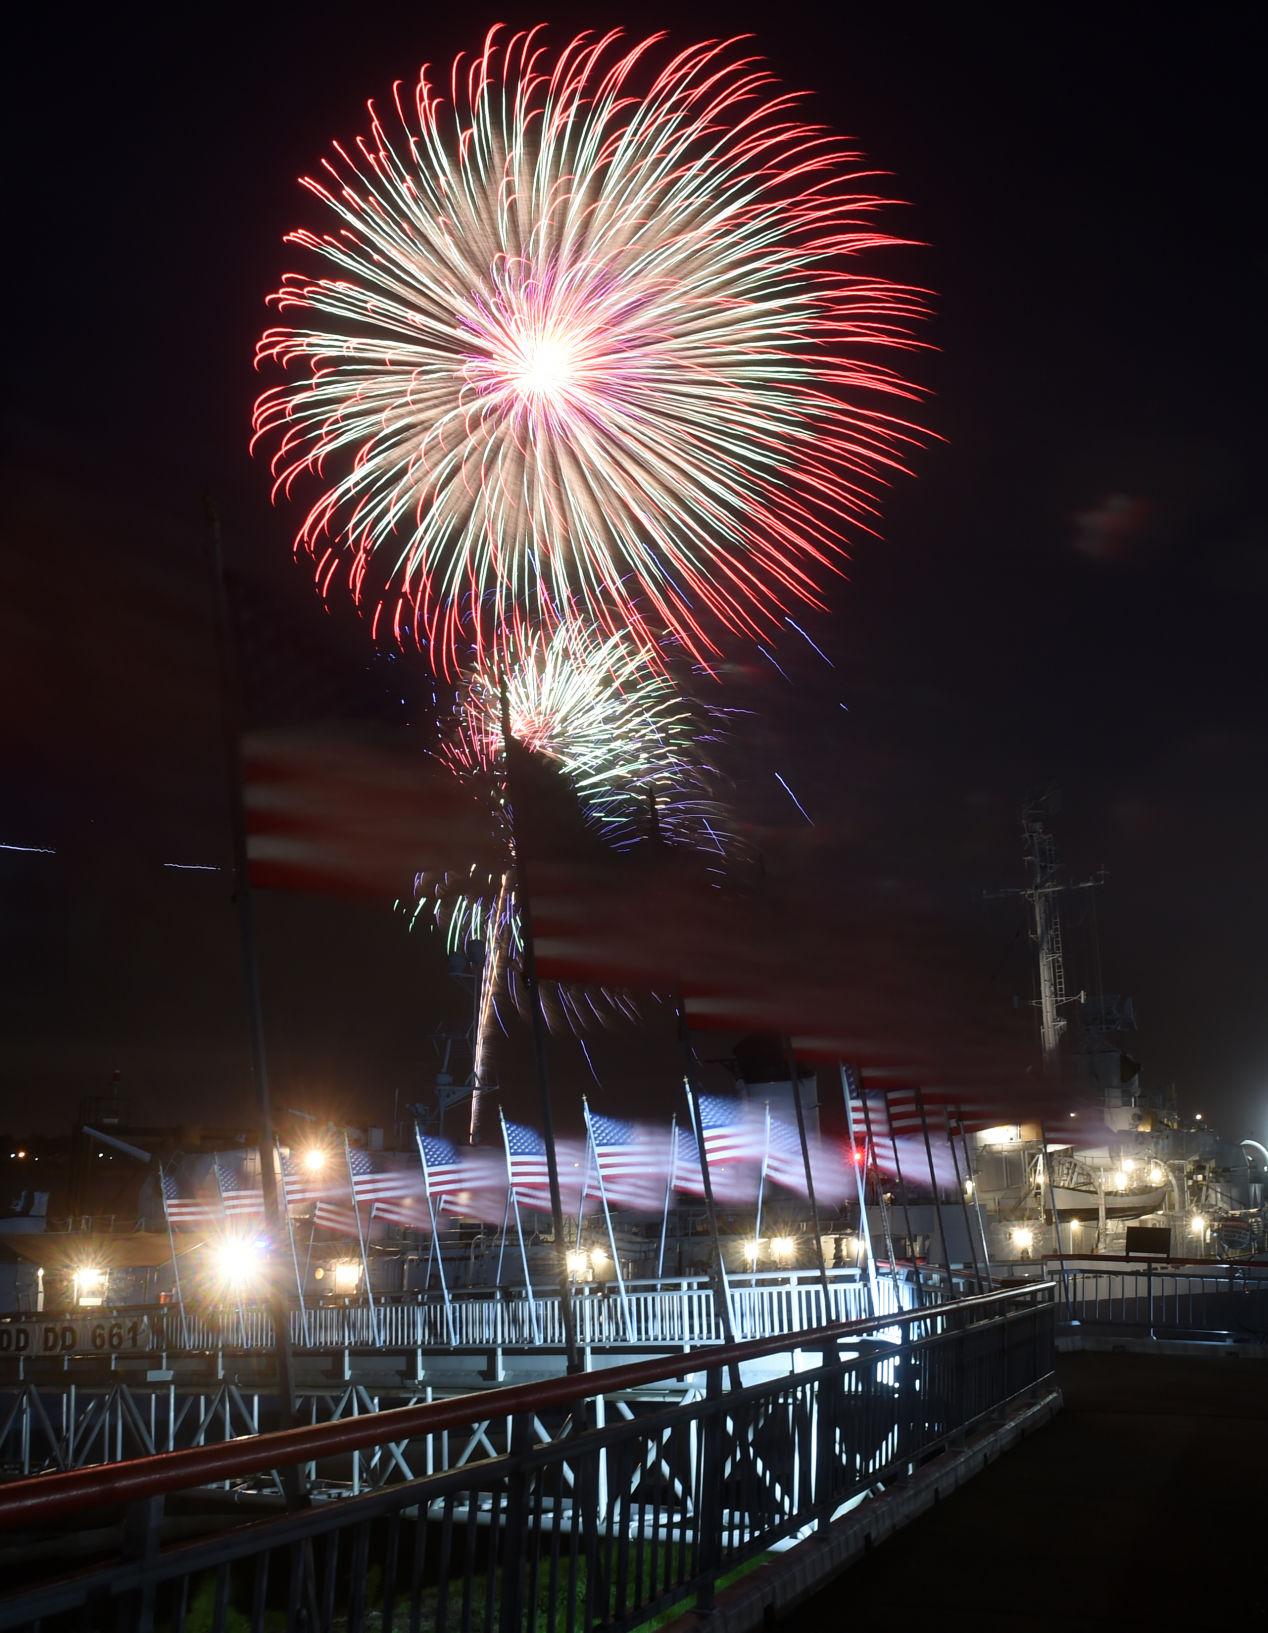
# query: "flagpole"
977,1203
435,1236
964,1203
365,1257
585,1187
231,723
669,1191
902,1184
810,1178
607,1215
721,1287
514,1200
529,956
224,1225
761,1183
848,1080
506,1222
937,1200
860,1182
290,1232
176,1274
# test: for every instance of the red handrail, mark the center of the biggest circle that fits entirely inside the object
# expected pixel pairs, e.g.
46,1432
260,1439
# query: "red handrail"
45,1497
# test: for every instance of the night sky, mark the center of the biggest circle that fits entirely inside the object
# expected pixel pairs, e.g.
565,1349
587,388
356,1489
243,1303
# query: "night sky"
1073,590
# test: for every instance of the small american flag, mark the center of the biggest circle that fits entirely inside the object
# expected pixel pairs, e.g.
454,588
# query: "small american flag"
183,1210
729,1136
526,1165
406,1212
945,1113
629,1167
239,1200
784,1164
330,1216
378,1177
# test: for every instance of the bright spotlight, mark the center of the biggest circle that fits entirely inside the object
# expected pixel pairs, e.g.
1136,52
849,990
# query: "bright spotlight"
1024,1239
752,1251
577,1262
238,1261
598,1258
1129,1165
782,1248
315,1158
1197,1224
1120,1180
347,1277
90,1286
1155,1175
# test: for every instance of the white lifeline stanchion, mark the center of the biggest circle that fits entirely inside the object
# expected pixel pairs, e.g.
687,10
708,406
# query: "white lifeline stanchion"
607,1215
435,1238
860,1178
669,1191
365,1257
514,1201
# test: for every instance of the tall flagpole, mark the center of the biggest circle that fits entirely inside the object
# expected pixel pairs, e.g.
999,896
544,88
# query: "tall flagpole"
514,1201
761,1181
539,1040
721,1287
290,1233
224,1222
435,1234
670,1177
365,1257
800,1109
176,1273
607,1215
937,1200
848,1081
860,1181
231,722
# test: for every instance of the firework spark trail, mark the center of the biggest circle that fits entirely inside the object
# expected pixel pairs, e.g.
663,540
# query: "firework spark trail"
629,747
587,335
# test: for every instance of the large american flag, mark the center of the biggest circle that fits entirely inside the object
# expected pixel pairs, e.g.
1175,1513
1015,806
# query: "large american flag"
186,1210
526,1165
627,1162
239,1199
687,1175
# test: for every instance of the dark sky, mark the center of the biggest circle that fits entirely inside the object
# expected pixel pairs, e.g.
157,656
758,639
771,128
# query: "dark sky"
1074,590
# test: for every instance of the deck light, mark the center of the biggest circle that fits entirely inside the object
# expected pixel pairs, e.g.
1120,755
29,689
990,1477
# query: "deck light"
782,1248
1024,1239
347,1277
238,1260
90,1286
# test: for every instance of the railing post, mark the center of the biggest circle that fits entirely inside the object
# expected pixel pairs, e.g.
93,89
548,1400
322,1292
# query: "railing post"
516,1537
141,1527
709,1513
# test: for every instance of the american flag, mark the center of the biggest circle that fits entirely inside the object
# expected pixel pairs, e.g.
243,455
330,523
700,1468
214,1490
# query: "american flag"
407,1212
526,1165
944,1112
302,1184
330,1216
784,1164
239,1200
183,1210
729,1136
442,1168
687,1175
627,1162
380,1176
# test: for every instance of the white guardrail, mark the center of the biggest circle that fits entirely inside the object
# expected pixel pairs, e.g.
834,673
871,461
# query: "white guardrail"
679,1314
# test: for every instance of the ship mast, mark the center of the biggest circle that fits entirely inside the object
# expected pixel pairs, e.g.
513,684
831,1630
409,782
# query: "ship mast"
1041,892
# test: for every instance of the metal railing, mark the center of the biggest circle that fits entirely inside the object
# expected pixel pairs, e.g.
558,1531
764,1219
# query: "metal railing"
574,1503
1158,1300
669,1314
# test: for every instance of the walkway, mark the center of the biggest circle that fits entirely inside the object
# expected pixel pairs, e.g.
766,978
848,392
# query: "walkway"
1140,1505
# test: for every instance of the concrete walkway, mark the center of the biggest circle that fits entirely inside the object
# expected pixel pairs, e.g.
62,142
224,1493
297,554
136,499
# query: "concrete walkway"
1141,1506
